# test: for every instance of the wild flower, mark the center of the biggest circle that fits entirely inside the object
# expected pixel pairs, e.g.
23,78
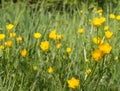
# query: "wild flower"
1,46
100,11
52,34
97,40
45,45
19,39
97,22
97,55
8,43
81,30
37,35
105,48
59,37
88,71
50,70
108,34
81,11
68,50
24,53
35,68
118,17
73,83
9,27
106,28
112,16
12,35
58,45
2,36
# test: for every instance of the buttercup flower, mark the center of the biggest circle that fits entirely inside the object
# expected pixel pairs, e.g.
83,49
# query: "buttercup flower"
8,43
94,9
81,11
108,34
97,40
52,35
2,36
59,37
9,27
50,70
81,30
44,46
1,46
118,17
37,35
12,35
97,22
68,50
35,68
102,19
116,58
112,16
105,48
87,72
58,46
73,83
24,53
97,55
19,39
100,11
106,28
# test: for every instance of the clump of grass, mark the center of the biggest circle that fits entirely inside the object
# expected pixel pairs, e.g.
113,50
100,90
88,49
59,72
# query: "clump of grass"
44,51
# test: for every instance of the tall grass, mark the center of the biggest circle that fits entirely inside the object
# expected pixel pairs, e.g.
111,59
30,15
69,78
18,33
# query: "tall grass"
17,73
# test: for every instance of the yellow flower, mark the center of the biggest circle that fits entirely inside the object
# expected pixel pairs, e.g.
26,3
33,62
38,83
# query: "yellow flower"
35,68
97,22
19,39
87,72
116,58
118,17
9,27
105,48
81,30
24,53
87,60
94,9
37,35
8,43
59,37
58,46
97,55
1,46
2,36
52,35
44,46
81,11
12,35
68,50
50,70
112,16
100,11
73,83
108,34
102,19
97,40
106,28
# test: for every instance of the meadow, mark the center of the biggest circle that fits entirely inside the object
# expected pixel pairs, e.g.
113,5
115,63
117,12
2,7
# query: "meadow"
48,50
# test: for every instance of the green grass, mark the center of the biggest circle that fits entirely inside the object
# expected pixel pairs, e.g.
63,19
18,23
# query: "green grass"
16,72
